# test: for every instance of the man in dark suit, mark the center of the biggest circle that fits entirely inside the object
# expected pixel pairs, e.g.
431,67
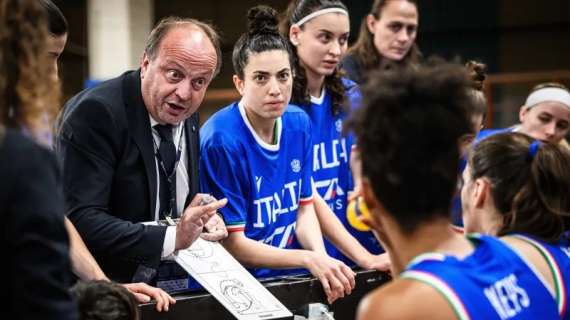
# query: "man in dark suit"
129,150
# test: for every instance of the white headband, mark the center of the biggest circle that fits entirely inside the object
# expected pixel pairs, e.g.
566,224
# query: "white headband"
548,94
320,13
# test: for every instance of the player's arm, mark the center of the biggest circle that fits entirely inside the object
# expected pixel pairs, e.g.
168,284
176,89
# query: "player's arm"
336,277
356,170
308,229
254,253
85,266
82,262
336,233
258,254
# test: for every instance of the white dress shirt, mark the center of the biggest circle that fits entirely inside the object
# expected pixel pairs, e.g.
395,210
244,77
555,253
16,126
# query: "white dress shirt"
182,185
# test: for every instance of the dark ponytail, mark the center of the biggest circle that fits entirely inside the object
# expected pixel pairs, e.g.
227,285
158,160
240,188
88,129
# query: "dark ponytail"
262,35
57,24
530,183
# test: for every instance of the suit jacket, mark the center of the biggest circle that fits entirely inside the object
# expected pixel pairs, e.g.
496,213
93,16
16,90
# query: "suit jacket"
36,270
105,145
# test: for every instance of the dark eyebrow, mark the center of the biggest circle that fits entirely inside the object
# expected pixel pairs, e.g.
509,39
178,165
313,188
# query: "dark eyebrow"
415,25
265,73
332,33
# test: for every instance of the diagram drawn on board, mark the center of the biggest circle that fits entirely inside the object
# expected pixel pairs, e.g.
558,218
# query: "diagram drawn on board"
229,282
202,250
202,253
235,293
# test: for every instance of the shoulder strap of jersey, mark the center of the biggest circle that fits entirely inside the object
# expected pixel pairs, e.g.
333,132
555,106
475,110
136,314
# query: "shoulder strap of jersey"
559,286
440,286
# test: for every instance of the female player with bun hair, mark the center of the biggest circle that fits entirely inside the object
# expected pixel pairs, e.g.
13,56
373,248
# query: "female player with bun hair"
258,154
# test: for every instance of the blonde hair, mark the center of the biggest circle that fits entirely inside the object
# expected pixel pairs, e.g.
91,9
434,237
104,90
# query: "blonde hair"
29,92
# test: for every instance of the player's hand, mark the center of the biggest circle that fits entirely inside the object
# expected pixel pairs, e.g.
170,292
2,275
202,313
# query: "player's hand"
144,293
380,262
355,193
337,279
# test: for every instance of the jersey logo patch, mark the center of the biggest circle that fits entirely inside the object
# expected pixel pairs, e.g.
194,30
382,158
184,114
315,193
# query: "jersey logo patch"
296,165
338,125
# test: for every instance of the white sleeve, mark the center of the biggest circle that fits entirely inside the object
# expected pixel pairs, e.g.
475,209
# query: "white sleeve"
169,244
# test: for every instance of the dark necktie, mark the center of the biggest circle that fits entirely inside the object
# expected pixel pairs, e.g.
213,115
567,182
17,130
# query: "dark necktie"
167,152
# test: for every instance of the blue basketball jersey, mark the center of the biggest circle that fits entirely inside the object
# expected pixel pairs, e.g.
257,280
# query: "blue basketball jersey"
489,132
331,170
264,183
558,258
491,283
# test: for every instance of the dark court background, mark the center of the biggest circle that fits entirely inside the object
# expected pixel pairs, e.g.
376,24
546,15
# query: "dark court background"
523,42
